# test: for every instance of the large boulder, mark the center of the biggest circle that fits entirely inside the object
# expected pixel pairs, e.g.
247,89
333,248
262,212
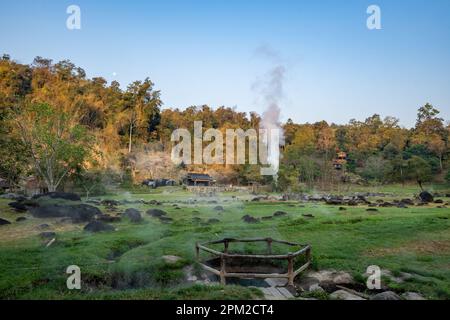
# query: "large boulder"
59,195
425,196
78,213
133,214
98,226
4,222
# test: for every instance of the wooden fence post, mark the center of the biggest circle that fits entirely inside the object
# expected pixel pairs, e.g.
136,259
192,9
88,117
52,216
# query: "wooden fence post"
290,270
222,270
269,245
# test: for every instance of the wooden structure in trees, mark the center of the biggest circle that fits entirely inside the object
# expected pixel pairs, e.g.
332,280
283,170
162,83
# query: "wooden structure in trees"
227,264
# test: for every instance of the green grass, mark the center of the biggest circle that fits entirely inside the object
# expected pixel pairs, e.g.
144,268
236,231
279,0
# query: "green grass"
127,264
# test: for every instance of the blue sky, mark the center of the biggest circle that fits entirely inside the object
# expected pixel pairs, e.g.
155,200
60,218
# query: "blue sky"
203,52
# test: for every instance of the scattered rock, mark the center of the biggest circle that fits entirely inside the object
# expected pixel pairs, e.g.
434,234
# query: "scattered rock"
329,279
307,215
386,204
279,214
218,208
344,295
59,195
249,219
12,196
425,196
107,218
171,259
412,296
342,209
439,201
110,203
98,226
43,226
156,213
306,283
47,235
19,219
18,206
387,295
133,214
4,222
407,202
372,210
267,218
164,219
78,213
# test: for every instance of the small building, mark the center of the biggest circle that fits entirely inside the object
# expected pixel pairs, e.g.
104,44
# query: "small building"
198,179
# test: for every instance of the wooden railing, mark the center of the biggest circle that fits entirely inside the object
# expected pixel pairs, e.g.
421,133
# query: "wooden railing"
225,255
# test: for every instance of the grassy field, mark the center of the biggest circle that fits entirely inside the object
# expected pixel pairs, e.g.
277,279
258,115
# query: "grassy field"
128,264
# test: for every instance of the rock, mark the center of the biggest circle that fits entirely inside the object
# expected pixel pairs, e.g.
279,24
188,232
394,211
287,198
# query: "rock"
4,222
307,215
386,204
407,202
267,218
43,226
335,202
425,196
249,219
47,235
327,277
387,295
133,214
342,209
59,195
156,213
344,295
438,201
19,219
110,203
279,214
372,210
412,296
18,206
78,213
164,219
107,218
98,226
12,196
402,205
306,283
171,259
218,208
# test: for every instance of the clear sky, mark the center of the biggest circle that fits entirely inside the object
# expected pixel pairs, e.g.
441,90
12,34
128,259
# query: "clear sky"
204,52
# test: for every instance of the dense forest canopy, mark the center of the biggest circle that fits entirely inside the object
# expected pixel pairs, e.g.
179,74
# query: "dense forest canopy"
59,125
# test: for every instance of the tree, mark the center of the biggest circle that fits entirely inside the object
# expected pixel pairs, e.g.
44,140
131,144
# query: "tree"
57,144
419,170
142,104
